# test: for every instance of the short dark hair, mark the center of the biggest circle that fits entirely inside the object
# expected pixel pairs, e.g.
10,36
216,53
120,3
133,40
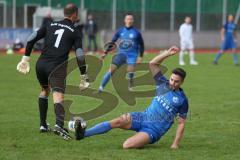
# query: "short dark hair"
180,72
70,9
128,14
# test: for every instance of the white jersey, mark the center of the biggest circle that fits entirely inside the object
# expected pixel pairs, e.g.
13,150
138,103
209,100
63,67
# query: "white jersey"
186,36
185,32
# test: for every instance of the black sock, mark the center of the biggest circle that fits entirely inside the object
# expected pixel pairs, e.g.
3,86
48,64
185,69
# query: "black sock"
83,69
60,114
43,107
82,64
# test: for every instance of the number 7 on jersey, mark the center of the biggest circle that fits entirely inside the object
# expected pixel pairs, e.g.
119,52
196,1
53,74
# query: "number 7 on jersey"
59,34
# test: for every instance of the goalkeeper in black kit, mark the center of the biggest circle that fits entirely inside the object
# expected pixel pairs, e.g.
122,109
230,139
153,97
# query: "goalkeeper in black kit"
51,67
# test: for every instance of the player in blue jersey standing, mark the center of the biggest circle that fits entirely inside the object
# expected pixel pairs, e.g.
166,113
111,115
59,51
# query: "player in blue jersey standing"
130,51
228,37
151,124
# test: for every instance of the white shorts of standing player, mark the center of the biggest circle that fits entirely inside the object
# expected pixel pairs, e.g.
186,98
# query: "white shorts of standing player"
187,46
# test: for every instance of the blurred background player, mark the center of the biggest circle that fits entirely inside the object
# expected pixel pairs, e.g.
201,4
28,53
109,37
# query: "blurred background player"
80,27
186,42
18,45
157,119
91,30
130,51
229,40
51,70
45,22
47,19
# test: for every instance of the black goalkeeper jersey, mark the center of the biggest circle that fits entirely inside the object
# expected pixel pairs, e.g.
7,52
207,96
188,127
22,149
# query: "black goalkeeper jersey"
59,38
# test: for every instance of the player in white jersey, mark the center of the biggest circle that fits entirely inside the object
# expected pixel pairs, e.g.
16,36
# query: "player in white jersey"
186,42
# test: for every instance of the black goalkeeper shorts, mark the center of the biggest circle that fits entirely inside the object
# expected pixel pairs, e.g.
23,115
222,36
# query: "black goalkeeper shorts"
51,74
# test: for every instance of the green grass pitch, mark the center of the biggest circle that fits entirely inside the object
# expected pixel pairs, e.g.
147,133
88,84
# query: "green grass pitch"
212,130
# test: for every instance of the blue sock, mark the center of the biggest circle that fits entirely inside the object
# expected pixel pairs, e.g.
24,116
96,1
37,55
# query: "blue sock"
100,128
235,58
218,56
130,75
106,78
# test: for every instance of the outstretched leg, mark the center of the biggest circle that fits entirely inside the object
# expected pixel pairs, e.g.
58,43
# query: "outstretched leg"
123,122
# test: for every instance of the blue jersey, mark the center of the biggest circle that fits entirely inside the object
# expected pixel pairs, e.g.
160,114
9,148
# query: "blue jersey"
229,41
130,41
167,103
229,28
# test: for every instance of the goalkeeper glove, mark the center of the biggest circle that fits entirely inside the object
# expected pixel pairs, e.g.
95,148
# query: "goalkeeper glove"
24,66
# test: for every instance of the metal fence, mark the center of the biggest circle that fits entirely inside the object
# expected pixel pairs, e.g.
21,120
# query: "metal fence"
167,15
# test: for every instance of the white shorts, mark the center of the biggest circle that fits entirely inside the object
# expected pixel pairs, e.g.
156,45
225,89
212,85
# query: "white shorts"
187,44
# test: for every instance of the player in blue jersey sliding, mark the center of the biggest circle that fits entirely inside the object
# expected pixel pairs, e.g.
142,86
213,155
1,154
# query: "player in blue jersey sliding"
229,40
130,50
151,124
